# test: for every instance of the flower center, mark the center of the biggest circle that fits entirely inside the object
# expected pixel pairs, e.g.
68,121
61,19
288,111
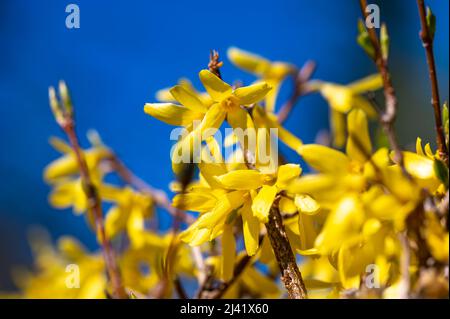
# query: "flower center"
229,103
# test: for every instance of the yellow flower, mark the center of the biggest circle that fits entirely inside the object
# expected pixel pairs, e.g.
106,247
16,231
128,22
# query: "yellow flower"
129,213
143,263
245,193
348,170
366,200
228,103
344,98
67,165
63,174
273,73
66,272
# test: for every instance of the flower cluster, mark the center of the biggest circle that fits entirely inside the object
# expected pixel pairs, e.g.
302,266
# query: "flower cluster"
357,219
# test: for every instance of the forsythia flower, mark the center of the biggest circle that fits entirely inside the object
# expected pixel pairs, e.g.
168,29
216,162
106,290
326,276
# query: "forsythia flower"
68,190
226,195
228,103
66,272
343,98
272,73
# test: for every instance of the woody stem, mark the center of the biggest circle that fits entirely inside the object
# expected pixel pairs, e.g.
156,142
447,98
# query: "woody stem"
435,102
290,274
95,210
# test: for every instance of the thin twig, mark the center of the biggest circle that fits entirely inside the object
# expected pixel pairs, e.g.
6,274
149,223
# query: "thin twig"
427,42
159,197
290,274
64,116
200,264
405,260
300,79
389,114
179,288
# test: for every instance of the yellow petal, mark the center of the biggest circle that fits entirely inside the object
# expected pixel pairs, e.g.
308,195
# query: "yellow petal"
68,165
251,94
198,202
115,221
337,123
287,206
187,99
359,146
347,263
248,61
272,95
370,83
324,159
343,224
209,170
228,253
418,166
289,139
250,227
307,234
306,204
339,97
286,173
71,247
263,202
313,183
213,119
164,96
68,194
215,87
242,125
428,151
419,149
135,228
437,238
242,179
60,145
195,236
225,204
259,284
363,104
172,114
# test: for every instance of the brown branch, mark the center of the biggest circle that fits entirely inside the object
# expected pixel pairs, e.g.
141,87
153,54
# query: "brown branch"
405,260
300,79
290,274
427,42
64,117
442,207
179,288
387,118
